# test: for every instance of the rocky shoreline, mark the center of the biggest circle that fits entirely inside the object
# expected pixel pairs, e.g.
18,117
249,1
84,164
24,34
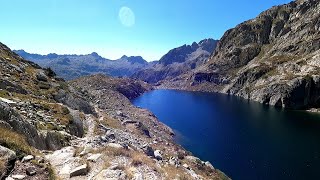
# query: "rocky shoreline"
272,59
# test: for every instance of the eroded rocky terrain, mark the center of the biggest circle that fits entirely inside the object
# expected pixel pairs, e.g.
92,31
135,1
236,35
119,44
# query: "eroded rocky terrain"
273,59
83,129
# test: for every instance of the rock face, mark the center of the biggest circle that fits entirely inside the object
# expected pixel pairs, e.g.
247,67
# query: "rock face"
178,61
30,104
273,59
73,66
7,157
78,171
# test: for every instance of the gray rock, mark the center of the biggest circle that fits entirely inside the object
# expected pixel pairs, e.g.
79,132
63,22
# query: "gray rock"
157,154
79,171
186,166
111,175
12,87
74,102
208,164
7,154
120,113
9,158
5,125
148,150
18,176
110,135
94,157
174,162
31,171
41,76
115,145
10,116
76,126
27,158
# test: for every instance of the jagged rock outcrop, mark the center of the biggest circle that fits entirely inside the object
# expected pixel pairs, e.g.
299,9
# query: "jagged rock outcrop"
73,101
178,61
273,59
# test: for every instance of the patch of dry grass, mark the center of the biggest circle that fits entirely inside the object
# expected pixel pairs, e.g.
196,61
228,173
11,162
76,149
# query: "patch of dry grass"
3,167
3,93
139,159
129,173
175,173
77,151
111,122
52,173
108,122
113,152
14,141
60,113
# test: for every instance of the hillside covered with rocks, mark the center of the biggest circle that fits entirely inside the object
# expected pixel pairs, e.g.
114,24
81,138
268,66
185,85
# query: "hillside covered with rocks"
273,59
83,129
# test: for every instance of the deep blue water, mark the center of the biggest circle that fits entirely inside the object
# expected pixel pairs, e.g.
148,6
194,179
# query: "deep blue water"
244,139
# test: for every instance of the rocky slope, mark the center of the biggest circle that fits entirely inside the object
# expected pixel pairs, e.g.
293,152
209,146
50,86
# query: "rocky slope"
178,61
32,117
83,129
74,66
273,59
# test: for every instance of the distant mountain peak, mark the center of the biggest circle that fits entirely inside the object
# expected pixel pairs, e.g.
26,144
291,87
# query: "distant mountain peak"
134,59
21,50
124,57
71,66
95,54
181,53
52,55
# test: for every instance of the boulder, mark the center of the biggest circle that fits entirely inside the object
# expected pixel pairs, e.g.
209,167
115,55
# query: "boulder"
8,157
12,87
115,145
75,127
79,171
208,164
7,154
157,154
10,116
110,135
18,176
41,76
148,150
31,171
94,157
74,102
27,158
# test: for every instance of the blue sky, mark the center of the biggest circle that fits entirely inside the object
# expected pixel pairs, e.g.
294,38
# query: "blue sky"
149,28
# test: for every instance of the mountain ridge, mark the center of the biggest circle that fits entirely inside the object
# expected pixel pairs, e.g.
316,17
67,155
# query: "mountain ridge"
178,61
272,59
71,66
